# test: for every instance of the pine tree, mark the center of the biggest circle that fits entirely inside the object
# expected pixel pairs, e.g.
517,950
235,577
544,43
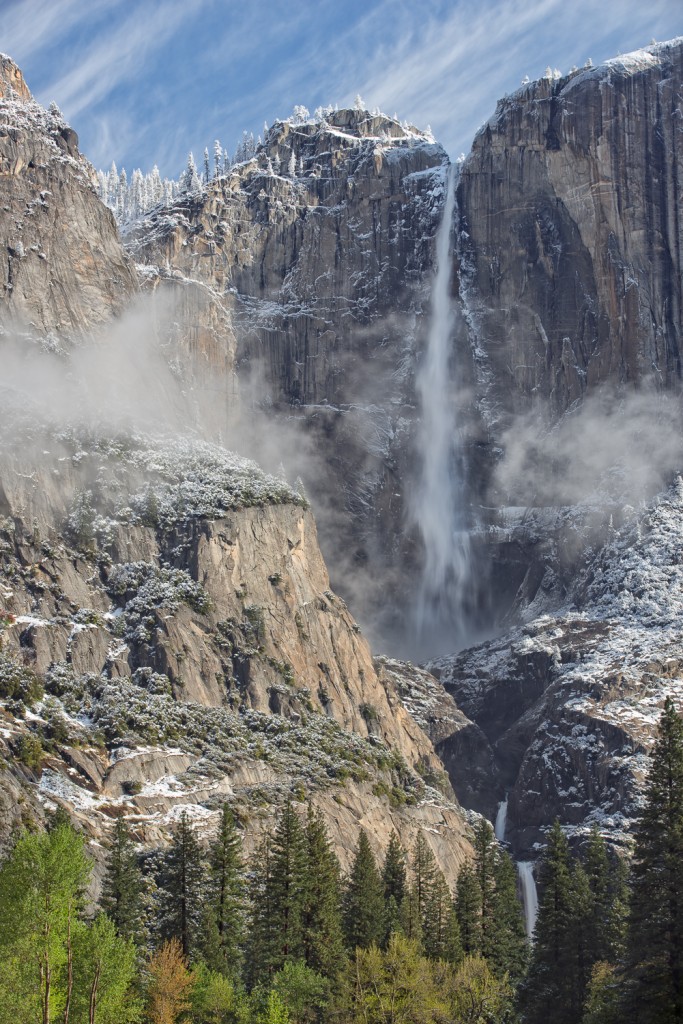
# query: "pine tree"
279,900
547,993
394,881
217,159
485,865
423,868
607,882
207,173
468,909
394,874
655,947
123,886
440,928
508,945
363,899
223,919
182,882
322,920
409,918
189,180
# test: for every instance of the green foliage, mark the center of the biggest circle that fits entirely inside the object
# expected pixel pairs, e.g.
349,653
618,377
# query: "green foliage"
655,948
41,893
123,886
280,885
104,974
363,899
181,885
507,941
399,985
468,909
303,992
18,683
217,999
222,930
323,942
30,751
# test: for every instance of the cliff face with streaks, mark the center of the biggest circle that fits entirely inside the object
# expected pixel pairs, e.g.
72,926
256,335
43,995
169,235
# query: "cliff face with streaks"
571,233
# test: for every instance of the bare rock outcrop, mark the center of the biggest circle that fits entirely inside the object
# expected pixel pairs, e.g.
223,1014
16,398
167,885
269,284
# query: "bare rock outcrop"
173,602
63,271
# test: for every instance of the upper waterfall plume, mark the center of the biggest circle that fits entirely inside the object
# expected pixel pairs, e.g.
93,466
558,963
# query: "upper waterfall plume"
438,508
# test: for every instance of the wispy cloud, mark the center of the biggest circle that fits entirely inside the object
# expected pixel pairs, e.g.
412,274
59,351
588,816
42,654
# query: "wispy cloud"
147,81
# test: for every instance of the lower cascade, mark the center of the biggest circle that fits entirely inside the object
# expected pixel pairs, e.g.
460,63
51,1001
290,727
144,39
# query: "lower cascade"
501,820
525,870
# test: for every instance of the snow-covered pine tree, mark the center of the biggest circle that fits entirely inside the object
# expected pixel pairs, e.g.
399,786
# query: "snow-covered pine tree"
217,159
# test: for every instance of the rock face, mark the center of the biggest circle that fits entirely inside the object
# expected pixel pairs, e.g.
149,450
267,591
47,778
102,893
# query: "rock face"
306,271
571,236
63,271
173,601
569,703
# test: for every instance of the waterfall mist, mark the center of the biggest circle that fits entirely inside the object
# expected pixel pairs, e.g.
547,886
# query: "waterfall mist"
438,507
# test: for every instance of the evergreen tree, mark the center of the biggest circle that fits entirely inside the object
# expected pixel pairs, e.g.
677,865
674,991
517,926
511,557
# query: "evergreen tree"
394,881
440,928
279,900
260,897
322,921
223,922
409,918
182,882
655,948
549,988
508,945
485,865
607,882
363,899
189,180
122,887
394,875
207,172
424,871
217,159
468,910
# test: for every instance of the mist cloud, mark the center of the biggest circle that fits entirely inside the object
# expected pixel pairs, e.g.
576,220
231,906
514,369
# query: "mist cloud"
622,445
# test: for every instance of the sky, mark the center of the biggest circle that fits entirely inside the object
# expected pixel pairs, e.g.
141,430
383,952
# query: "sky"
145,81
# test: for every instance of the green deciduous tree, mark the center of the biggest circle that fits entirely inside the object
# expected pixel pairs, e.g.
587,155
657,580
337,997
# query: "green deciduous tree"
104,973
41,893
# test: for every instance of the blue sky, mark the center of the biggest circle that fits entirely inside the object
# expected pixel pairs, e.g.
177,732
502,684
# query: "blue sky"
144,81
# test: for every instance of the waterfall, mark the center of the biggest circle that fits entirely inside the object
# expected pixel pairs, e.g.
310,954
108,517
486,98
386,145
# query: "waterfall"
501,820
438,506
525,869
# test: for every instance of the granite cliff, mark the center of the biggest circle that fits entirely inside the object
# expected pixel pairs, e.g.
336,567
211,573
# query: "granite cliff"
168,635
172,599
